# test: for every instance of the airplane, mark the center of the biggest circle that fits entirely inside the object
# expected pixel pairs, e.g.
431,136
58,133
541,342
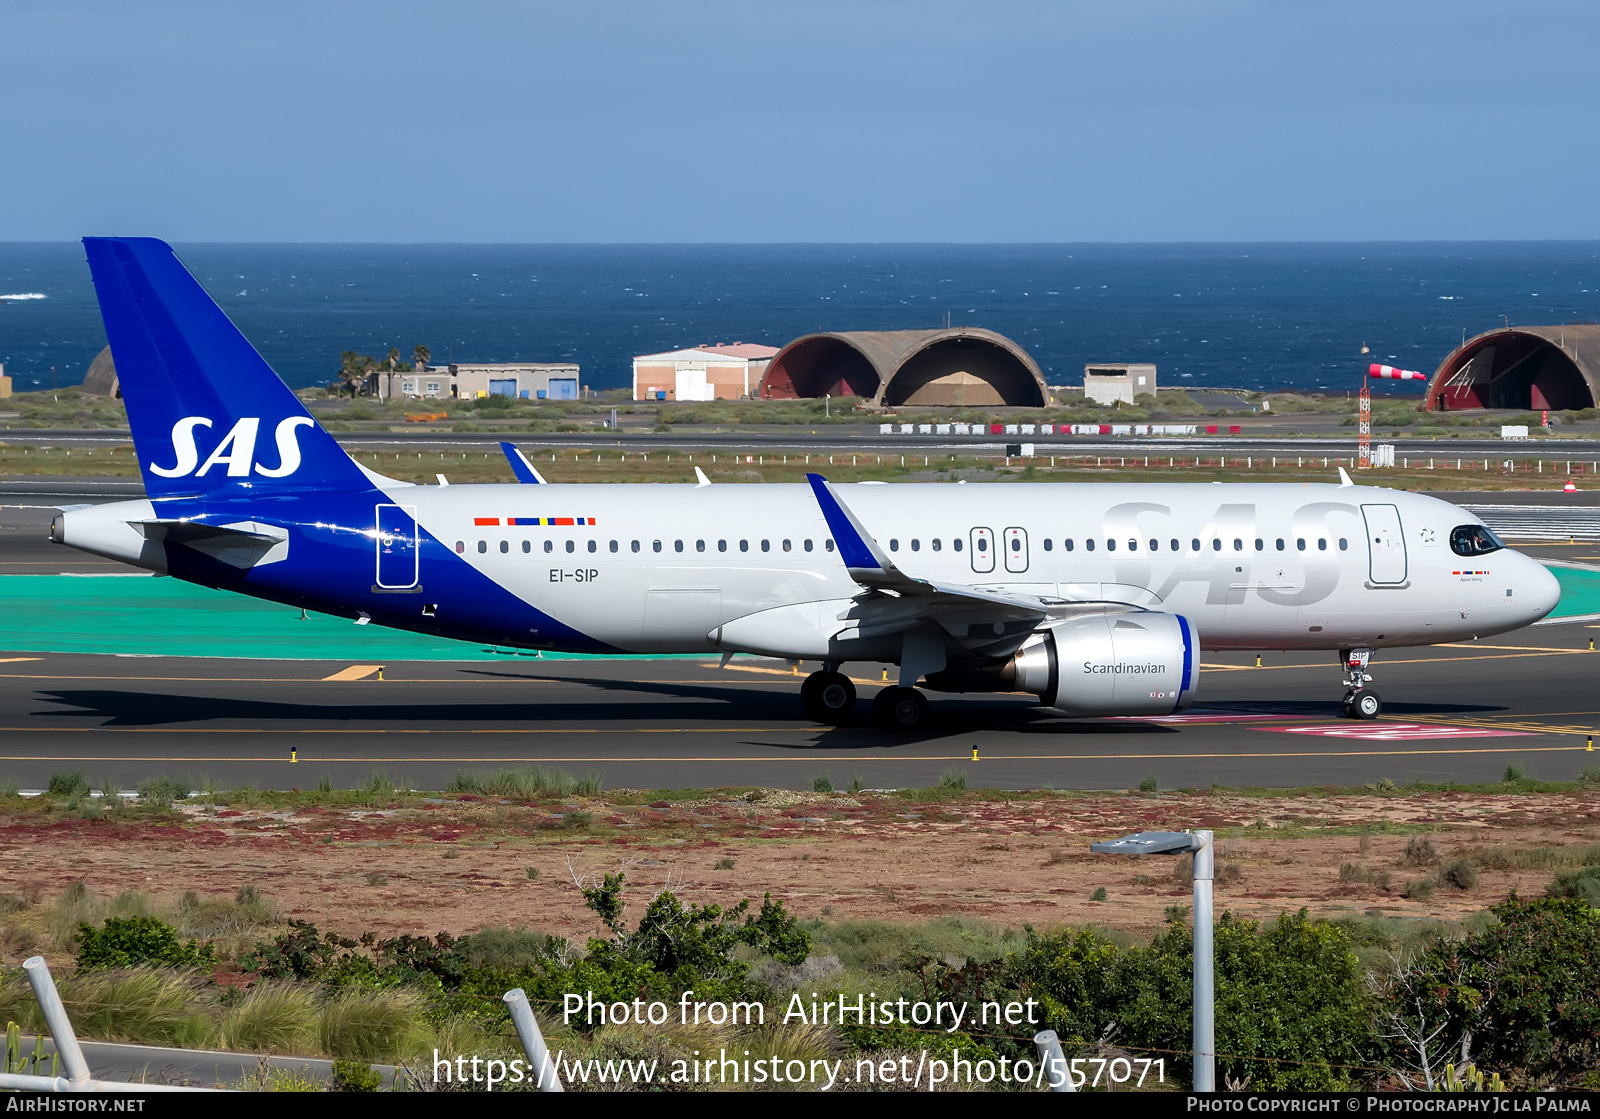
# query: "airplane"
1097,598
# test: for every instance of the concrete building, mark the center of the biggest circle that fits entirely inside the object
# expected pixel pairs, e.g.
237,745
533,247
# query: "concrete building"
958,367
1109,383
1532,367
5,383
722,372
526,380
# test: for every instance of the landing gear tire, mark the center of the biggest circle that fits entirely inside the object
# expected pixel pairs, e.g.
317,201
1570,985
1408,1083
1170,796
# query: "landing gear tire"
902,709
1347,708
829,697
1365,704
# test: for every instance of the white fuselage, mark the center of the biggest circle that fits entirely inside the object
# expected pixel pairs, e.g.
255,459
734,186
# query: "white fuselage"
660,567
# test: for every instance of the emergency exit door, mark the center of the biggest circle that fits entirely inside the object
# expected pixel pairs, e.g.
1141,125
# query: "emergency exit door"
1016,549
1386,544
981,548
396,541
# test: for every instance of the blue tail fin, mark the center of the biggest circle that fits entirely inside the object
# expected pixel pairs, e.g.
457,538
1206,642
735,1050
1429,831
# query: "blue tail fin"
206,409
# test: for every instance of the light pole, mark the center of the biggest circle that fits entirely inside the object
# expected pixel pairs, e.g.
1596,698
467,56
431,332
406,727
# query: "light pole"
1200,843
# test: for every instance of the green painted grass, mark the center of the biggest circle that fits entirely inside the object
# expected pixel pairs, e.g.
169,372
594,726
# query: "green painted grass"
146,616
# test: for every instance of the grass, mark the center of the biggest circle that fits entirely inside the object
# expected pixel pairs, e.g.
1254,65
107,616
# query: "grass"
530,783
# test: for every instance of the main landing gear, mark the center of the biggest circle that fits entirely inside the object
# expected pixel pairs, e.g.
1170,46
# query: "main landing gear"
1360,701
828,696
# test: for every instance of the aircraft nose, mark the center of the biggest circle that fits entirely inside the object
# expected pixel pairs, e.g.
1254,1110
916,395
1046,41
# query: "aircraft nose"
1543,590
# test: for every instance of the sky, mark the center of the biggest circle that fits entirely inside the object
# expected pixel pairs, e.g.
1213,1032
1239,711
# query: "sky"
809,121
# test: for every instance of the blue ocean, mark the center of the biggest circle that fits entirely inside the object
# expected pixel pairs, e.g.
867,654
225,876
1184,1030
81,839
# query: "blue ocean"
1258,316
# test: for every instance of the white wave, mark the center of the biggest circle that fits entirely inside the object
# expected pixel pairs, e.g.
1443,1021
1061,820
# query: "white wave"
21,296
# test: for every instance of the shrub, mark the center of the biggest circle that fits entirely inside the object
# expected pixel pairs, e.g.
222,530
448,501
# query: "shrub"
525,784
822,783
142,1005
137,941
723,864
1149,784
1099,894
1460,874
953,779
163,790
1582,884
354,1076
1420,852
68,785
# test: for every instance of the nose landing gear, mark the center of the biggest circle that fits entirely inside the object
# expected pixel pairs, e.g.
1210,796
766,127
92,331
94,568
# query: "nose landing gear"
1360,701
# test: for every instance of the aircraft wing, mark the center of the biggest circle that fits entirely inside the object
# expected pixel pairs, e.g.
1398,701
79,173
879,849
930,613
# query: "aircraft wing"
985,620
521,467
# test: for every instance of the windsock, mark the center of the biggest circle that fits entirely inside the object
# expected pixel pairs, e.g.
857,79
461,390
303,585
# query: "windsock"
1390,371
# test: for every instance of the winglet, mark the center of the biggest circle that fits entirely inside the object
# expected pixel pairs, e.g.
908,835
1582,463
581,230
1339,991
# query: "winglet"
521,467
1344,479
701,474
856,546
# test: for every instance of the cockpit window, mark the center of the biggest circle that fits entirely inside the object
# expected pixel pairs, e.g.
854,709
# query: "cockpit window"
1474,540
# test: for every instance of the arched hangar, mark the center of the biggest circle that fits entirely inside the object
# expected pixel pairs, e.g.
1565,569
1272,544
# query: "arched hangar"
961,366
1530,367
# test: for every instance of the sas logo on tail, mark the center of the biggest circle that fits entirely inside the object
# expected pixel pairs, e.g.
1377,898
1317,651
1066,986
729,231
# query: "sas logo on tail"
237,451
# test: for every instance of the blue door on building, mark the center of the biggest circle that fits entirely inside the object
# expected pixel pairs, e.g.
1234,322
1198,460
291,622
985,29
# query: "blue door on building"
503,388
563,388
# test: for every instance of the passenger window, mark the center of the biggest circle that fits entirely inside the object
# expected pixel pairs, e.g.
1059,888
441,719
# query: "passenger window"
1016,543
744,545
1280,543
461,546
787,546
937,545
677,545
916,545
1260,544
1322,545
1048,544
655,545
527,546
699,545
1111,545
571,547
1300,543
1238,545
1174,545
1133,545
808,545
1155,545
594,546
1194,545
1344,544
549,545
1088,545
766,545
1216,545
505,546
983,543
1067,543
828,544
894,544
722,545
956,544
613,545
635,545
483,545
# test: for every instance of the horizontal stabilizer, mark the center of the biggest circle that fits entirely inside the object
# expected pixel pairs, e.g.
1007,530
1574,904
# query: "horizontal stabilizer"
243,544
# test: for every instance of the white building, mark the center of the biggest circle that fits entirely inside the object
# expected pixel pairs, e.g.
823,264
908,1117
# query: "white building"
724,372
527,380
1106,383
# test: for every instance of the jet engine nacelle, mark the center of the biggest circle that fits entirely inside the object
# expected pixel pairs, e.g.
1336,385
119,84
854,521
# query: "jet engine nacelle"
1139,663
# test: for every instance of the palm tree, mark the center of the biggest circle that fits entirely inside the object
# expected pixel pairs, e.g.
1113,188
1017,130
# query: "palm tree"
419,357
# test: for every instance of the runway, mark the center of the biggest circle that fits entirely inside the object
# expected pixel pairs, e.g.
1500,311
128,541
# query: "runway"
1458,713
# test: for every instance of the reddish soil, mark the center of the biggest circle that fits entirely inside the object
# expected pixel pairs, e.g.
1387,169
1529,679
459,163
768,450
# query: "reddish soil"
461,864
